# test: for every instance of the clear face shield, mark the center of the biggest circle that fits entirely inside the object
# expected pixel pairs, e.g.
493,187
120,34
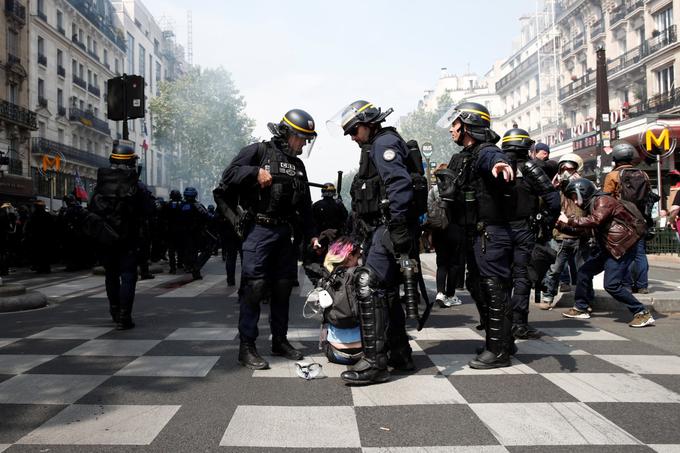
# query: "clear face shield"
337,123
448,118
306,150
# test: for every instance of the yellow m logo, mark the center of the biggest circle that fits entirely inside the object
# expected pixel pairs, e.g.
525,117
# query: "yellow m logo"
663,141
48,162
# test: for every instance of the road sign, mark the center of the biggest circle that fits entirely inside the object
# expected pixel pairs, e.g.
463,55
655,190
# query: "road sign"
656,140
427,149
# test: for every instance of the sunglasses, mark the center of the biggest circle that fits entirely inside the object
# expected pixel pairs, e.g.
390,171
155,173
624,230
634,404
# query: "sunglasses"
308,371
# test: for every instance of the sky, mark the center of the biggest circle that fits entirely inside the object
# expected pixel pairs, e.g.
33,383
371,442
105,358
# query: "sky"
322,55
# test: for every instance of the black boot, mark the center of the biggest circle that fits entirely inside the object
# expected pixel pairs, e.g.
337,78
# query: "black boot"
498,329
196,275
249,357
281,347
124,321
114,311
372,368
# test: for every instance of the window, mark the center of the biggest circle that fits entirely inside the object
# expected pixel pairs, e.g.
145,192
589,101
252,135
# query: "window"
89,43
80,35
13,43
94,47
41,88
60,98
158,72
665,82
60,21
131,54
60,58
664,19
96,112
89,77
81,71
74,31
74,140
41,129
142,61
60,135
81,104
41,7
74,67
106,57
115,65
41,46
13,93
94,80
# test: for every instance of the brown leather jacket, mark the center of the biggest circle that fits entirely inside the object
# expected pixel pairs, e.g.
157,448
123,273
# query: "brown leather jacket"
612,224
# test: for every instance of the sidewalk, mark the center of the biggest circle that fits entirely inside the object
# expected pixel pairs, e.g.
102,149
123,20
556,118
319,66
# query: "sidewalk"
664,296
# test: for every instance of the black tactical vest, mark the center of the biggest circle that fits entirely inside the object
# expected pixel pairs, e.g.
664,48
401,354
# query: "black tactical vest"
288,183
525,200
495,198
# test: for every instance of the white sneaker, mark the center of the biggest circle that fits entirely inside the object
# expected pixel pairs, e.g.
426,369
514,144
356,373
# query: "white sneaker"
440,297
454,300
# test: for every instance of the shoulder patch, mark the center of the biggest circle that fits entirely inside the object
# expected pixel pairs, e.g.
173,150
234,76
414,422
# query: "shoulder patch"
389,155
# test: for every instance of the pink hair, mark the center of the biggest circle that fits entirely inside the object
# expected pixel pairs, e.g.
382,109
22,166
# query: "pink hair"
338,252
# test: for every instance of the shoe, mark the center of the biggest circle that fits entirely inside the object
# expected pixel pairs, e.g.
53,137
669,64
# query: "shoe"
231,283
454,300
442,300
281,347
524,332
147,277
440,297
400,363
642,319
565,287
545,305
513,349
196,275
249,358
643,291
365,372
487,360
172,270
576,313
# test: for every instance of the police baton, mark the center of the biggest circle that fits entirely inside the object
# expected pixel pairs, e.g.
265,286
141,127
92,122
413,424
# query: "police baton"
338,186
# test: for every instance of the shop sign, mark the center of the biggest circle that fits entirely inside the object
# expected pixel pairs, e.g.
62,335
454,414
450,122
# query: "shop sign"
657,140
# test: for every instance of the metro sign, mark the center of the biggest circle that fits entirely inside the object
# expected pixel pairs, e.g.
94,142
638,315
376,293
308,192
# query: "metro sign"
656,140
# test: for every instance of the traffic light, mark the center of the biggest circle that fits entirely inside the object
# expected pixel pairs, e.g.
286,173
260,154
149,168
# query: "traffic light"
125,99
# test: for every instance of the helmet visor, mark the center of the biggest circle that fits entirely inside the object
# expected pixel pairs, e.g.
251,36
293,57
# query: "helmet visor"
340,123
449,117
307,148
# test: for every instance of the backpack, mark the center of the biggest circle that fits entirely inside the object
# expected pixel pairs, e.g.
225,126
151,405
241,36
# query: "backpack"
634,187
436,214
418,179
635,219
344,312
114,200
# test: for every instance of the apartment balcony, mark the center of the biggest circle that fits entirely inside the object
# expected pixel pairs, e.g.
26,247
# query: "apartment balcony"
88,119
596,29
13,59
616,17
577,85
77,42
42,102
80,82
93,55
61,111
42,59
94,90
92,13
663,39
42,145
578,42
42,16
61,30
656,104
15,10
635,7
61,71
15,166
628,59
18,115
566,50
524,67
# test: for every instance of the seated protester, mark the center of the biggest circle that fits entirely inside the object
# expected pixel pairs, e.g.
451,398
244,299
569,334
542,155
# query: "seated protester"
618,225
341,333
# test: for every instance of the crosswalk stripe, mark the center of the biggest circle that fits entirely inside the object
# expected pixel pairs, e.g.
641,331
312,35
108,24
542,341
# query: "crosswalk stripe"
197,287
73,286
142,285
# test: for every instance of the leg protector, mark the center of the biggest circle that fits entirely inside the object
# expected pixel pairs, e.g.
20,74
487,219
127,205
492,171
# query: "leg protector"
499,327
397,339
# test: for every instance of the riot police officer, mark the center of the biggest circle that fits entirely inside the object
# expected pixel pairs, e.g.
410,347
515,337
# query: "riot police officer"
329,212
489,173
272,184
531,187
194,220
175,230
122,201
382,200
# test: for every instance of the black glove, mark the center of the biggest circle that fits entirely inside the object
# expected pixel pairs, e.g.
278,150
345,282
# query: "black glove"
401,237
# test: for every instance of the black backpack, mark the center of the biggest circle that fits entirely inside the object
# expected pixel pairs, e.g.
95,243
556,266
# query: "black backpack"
114,201
344,313
634,187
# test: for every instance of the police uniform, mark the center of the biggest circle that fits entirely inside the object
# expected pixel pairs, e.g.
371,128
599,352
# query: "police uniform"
531,185
329,213
382,200
269,259
173,211
194,218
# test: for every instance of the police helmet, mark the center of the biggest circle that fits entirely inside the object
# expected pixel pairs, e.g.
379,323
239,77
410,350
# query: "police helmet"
516,139
361,112
583,188
295,122
211,208
123,153
190,192
623,152
475,117
328,190
175,195
572,158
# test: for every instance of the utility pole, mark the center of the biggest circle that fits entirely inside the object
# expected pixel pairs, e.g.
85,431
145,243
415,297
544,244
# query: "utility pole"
602,119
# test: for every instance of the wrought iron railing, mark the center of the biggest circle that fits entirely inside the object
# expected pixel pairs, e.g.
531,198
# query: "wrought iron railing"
61,71
42,59
42,145
88,119
18,115
80,82
597,28
15,9
517,71
94,90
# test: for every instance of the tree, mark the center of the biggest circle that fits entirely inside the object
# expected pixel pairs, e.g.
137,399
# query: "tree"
421,125
200,119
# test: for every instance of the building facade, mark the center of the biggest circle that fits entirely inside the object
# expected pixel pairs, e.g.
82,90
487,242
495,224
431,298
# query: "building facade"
17,120
75,46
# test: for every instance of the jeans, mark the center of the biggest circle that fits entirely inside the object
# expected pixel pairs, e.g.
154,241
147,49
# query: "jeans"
614,275
638,272
567,249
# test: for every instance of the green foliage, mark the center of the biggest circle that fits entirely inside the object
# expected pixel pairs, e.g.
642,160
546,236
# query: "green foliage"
200,120
422,126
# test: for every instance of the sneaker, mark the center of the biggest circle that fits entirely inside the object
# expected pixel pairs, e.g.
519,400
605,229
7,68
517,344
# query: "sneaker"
440,297
453,300
442,300
576,313
643,291
642,319
565,287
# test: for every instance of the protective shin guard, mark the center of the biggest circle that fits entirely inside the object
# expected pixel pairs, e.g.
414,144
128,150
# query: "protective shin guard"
498,332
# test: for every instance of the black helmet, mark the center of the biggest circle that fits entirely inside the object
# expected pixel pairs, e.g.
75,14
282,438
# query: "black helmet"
175,195
329,190
623,152
583,188
190,192
361,112
294,122
516,139
475,117
123,152
211,208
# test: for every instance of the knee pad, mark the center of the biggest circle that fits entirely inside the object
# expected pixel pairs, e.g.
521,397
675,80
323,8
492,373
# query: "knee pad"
365,282
254,291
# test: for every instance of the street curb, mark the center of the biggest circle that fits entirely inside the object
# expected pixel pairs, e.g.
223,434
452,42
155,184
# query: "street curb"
660,304
28,301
